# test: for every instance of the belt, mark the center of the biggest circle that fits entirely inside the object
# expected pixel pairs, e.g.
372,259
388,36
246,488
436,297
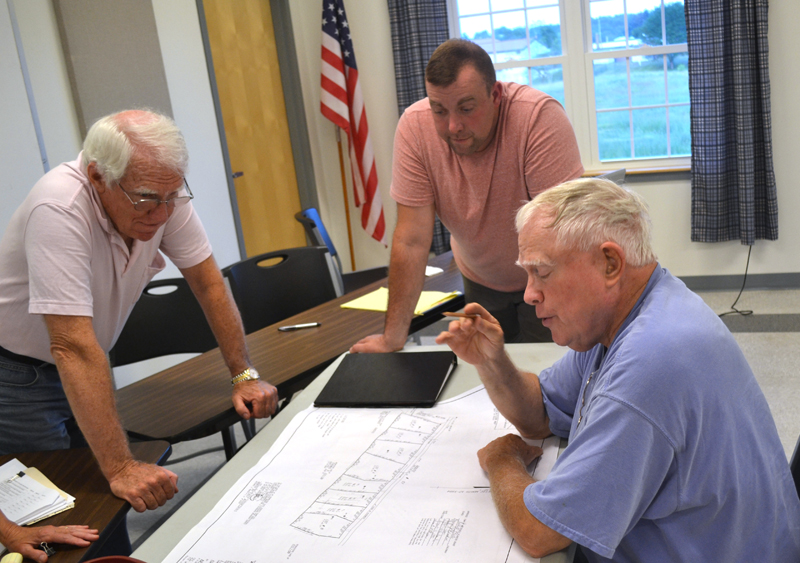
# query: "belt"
20,358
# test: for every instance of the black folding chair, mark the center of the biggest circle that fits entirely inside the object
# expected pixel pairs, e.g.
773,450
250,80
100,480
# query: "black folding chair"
274,286
166,320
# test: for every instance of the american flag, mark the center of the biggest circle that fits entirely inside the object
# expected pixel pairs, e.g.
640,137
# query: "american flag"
341,102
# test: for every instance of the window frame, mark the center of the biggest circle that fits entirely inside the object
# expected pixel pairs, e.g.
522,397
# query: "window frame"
579,89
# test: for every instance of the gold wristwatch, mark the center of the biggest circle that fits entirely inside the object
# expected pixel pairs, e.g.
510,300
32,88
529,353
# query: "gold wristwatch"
250,374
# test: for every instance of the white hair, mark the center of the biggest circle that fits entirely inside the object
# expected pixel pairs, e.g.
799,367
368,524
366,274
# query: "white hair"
587,212
114,140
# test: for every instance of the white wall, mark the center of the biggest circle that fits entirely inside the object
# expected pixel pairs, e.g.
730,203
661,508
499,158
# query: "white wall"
190,93
193,107
371,33
19,150
670,201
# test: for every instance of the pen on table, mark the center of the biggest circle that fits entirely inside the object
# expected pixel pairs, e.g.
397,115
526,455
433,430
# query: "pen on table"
288,328
461,315
15,476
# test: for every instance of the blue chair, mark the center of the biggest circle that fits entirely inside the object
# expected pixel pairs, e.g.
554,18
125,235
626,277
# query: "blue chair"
318,235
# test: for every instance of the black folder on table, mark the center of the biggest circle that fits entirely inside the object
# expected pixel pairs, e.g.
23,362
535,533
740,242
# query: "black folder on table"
396,379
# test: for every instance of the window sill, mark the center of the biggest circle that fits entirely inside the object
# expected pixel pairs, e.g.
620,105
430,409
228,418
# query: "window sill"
637,171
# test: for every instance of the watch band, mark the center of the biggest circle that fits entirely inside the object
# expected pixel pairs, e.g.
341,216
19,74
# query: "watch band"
250,374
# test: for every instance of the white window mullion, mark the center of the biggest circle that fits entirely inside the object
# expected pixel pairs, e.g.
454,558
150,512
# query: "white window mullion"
583,116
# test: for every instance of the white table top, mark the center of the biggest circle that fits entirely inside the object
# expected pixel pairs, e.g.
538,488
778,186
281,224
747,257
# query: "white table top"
532,357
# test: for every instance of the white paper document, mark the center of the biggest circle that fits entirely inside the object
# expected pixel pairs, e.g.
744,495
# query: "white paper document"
24,499
347,485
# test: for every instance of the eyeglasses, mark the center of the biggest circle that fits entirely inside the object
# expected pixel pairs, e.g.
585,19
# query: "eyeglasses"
148,204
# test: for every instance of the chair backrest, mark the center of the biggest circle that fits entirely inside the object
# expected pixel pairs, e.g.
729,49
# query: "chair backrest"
163,322
315,229
794,465
318,235
616,176
274,286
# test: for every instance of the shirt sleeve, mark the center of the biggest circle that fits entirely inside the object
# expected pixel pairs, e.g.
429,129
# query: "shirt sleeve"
411,183
606,479
58,247
185,241
560,386
551,153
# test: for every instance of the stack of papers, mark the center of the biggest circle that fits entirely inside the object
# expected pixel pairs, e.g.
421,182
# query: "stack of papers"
378,300
27,496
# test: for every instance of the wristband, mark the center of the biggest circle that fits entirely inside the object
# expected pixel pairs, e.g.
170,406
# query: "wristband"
250,374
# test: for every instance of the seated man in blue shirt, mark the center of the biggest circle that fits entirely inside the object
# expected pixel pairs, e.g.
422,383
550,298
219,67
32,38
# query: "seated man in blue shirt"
673,454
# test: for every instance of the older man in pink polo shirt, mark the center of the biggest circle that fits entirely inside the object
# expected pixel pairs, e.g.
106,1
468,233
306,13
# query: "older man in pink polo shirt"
472,152
75,258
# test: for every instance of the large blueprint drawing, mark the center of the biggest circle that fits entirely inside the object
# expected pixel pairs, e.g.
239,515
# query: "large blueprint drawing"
350,485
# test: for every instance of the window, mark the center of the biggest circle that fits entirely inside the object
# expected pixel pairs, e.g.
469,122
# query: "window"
619,67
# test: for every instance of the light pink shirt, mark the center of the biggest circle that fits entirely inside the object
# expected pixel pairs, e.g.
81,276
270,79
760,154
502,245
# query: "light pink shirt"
61,255
477,196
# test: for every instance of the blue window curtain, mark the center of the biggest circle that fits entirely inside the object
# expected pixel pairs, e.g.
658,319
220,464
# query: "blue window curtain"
418,27
733,182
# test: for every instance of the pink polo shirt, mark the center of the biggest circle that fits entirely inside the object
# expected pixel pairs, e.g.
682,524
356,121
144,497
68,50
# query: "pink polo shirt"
61,255
477,196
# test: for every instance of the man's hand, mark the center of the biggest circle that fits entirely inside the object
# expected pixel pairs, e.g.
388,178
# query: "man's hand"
376,344
256,399
476,341
507,450
143,485
506,462
24,540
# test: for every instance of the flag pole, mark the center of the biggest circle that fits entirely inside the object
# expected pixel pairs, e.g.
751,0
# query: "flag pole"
344,192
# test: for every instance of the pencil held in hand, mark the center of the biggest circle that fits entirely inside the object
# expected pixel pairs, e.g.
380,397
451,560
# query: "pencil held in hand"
461,315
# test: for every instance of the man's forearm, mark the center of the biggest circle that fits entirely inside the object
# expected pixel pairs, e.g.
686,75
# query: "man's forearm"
226,324
406,278
508,479
517,395
223,317
90,392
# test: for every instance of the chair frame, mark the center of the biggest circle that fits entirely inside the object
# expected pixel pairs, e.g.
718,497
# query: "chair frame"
794,466
345,282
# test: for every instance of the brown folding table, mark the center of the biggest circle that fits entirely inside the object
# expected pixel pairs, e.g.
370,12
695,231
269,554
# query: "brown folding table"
76,472
193,399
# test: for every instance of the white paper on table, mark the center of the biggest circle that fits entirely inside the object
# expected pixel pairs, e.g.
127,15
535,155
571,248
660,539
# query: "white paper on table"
24,500
432,271
11,468
345,485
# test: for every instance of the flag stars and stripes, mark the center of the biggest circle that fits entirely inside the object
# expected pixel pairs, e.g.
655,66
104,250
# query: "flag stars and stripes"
341,101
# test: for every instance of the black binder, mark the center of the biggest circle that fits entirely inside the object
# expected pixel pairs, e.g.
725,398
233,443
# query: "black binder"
396,379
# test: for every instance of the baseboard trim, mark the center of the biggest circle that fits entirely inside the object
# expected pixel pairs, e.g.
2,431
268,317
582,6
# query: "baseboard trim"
734,283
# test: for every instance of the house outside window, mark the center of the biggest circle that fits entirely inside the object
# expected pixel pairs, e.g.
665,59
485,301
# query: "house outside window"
619,68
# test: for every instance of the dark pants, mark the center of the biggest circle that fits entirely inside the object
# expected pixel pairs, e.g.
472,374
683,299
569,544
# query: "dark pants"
517,318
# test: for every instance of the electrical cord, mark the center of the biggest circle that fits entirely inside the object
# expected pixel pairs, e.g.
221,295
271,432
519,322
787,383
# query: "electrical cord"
734,310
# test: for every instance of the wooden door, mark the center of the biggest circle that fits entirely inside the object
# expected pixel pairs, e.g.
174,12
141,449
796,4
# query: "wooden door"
245,58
